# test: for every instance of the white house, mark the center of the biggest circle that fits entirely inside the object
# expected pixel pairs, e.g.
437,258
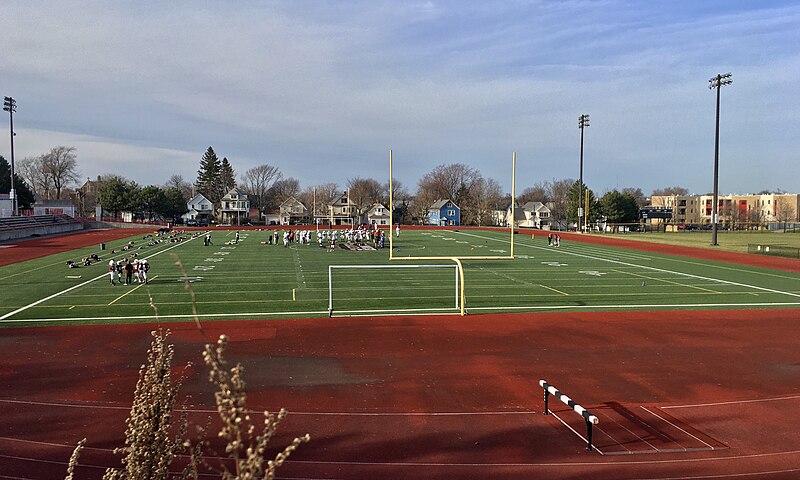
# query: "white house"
531,215
198,208
293,212
376,215
342,211
234,207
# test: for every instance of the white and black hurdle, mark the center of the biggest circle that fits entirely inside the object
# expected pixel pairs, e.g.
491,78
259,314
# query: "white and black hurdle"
588,417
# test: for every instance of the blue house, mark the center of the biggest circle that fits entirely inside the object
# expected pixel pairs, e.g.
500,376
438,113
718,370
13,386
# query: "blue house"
444,213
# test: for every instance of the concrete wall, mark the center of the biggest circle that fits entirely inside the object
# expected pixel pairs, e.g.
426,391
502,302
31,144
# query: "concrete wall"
24,233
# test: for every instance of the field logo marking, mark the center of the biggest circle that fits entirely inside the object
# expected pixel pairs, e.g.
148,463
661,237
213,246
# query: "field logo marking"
593,273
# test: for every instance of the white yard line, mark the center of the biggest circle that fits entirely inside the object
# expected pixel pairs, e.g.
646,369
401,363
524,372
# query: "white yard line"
62,292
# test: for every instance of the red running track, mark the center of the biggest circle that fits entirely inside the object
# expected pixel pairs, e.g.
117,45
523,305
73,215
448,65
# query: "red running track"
443,397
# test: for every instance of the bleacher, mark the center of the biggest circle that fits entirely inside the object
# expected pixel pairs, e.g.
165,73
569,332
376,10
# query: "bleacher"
36,225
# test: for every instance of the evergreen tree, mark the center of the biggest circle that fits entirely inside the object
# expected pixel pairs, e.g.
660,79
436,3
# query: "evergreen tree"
115,195
25,197
572,203
209,176
620,207
227,176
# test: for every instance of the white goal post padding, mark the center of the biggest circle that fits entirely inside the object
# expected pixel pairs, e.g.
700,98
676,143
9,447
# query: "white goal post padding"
331,268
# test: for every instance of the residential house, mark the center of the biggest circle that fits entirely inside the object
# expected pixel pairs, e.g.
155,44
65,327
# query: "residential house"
234,207
444,213
376,215
199,209
293,212
531,215
342,211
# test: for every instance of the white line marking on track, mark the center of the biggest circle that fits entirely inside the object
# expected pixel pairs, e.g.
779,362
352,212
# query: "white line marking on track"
679,428
734,402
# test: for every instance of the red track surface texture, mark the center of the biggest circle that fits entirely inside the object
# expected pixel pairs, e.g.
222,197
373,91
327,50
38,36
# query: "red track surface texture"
706,394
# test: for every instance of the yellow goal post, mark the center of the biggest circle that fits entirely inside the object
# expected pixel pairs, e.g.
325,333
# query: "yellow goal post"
456,259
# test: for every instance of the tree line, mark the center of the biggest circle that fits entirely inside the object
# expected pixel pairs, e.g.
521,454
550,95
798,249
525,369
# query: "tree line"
54,175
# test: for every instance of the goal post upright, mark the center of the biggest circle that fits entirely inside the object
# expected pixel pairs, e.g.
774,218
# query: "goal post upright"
456,259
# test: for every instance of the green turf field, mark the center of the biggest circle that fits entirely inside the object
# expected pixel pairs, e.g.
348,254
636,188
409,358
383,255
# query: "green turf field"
254,281
731,241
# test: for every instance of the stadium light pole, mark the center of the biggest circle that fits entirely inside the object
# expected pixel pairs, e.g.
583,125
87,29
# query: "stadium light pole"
10,106
583,122
718,81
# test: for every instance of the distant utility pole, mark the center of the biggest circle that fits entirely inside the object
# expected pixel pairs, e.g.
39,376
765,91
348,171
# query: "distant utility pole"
583,122
717,82
10,106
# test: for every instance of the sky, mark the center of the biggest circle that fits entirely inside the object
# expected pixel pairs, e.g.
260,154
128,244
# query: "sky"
324,89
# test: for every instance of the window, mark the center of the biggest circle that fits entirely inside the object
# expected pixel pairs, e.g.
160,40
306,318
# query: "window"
451,213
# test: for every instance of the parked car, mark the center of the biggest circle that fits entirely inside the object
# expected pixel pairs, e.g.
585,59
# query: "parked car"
191,222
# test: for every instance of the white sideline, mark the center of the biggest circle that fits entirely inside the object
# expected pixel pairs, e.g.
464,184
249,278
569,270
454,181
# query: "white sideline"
105,275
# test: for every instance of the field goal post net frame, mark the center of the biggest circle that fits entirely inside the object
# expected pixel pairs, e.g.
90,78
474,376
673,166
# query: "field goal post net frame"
456,259
457,290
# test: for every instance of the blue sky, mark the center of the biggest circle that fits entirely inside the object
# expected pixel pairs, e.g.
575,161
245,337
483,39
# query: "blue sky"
323,90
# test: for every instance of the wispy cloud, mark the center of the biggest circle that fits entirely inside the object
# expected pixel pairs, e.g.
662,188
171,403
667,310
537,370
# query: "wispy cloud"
336,84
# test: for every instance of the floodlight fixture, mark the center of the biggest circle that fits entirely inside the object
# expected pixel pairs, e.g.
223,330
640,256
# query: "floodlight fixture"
583,122
718,81
10,106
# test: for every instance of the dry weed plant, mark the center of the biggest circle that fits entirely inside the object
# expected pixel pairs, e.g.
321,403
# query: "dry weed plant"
150,445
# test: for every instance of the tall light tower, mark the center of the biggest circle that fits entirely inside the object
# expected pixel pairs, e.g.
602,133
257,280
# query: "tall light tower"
717,82
583,122
10,106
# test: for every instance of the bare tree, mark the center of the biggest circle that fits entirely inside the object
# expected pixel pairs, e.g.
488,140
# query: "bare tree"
31,170
637,194
61,166
423,200
257,181
177,182
670,191
317,198
537,193
280,191
558,193
784,210
402,199
363,192
488,196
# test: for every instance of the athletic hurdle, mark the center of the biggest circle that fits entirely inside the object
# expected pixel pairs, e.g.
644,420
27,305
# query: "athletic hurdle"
588,417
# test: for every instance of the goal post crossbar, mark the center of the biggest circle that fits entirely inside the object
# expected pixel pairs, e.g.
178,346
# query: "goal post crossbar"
459,279
456,259
466,257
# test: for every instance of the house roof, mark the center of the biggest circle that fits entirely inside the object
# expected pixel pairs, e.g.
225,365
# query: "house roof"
237,191
291,201
198,198
441,203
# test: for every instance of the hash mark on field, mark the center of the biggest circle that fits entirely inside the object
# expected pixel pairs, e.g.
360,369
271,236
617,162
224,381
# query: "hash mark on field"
298,268
553,289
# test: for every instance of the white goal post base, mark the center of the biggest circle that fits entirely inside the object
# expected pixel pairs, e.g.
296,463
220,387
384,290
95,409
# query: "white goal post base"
456,267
